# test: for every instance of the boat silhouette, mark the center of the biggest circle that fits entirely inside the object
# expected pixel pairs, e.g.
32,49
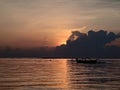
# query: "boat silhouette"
86,60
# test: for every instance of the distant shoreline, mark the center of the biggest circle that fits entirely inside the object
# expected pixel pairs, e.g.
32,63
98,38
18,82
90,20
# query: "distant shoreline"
57,57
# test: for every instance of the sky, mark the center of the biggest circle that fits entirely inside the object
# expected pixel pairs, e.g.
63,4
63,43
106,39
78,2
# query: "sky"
36,23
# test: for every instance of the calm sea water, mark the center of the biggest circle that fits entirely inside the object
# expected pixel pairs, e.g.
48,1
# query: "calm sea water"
58,74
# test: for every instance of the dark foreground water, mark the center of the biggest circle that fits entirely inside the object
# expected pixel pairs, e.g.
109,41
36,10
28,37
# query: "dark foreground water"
58,74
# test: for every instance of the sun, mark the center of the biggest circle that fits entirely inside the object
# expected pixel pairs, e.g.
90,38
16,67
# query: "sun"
62,36
60,42
63,42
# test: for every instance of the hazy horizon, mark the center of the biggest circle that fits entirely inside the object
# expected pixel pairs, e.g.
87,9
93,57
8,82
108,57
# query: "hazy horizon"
114,42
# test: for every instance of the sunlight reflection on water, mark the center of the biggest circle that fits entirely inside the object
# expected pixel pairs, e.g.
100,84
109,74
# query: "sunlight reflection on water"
61,74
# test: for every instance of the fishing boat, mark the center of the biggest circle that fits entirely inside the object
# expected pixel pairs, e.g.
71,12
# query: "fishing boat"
86,60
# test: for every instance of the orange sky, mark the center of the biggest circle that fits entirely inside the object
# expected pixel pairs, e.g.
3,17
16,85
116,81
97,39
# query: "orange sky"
36,23
35,39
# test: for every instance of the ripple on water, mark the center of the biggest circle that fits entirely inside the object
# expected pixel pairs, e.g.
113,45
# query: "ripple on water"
39,74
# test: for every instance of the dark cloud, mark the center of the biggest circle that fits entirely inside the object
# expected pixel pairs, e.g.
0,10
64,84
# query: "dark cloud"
93,44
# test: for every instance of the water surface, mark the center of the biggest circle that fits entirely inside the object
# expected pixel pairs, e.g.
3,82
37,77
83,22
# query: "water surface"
58,74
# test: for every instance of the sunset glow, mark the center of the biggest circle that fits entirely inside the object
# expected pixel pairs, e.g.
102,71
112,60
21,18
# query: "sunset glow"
36,23
59,44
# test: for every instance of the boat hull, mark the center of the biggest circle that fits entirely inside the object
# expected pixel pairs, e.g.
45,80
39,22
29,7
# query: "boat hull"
86,61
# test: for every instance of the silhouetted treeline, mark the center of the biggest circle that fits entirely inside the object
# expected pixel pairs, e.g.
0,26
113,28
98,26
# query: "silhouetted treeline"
31,52
94,44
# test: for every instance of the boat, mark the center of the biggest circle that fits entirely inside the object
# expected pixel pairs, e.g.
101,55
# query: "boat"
86,60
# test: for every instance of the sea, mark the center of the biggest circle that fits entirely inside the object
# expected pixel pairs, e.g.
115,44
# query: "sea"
58,74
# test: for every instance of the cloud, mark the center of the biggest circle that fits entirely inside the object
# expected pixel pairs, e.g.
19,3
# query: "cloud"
93,44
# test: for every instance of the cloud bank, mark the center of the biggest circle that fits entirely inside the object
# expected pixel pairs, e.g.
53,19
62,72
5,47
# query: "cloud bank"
94,44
